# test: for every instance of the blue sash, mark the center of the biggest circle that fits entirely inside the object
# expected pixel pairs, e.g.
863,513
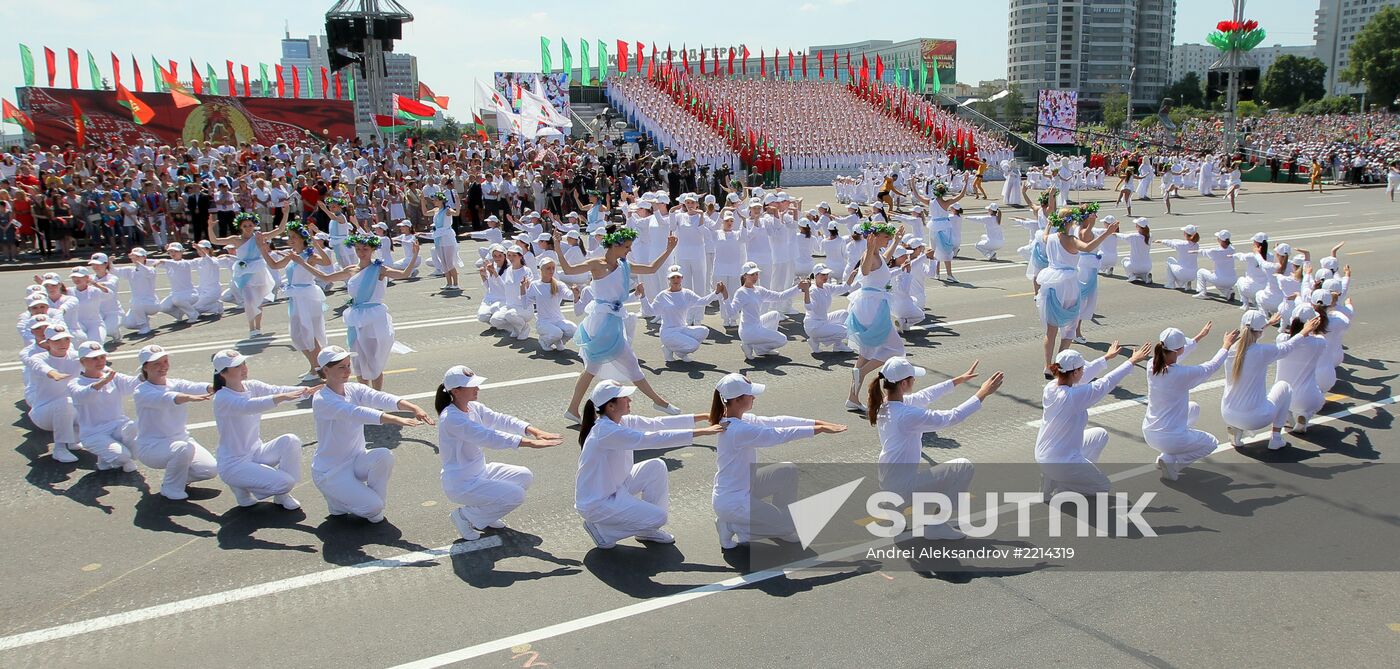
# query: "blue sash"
243,269
292,301
875,333
364,292
945,241
1057,314
1038,255
1087,288
610,340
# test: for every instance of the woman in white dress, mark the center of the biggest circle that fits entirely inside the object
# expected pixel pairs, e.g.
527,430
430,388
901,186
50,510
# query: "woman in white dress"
1223,276
673,308
870,319
823,326
1011,190
369,329
251,278
758,330
943,227
306,319
1299,367
163,440
1248,404
1182,267
1236,178
742,493
615,496
1067,452
602,337
1057,303
1089,266
252,468
1169,425
1138,264
544,298
445,257
486,491
353,478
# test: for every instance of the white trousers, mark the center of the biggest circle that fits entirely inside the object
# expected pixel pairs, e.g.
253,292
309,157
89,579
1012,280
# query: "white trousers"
93,329
59,417
181,304
1206,278
514,320
1273,412
1081,475
273,469
763,336
138,315
113,447
1185,445
208,300
484,311
697,278
987,246
1136,270
640,507
554,334
753,516
683,340
731,282
831,330
113,322
488,497
184,462
359,488
1179,274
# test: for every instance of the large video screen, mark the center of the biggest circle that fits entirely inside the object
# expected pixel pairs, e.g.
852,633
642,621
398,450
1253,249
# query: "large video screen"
1057,115
555,86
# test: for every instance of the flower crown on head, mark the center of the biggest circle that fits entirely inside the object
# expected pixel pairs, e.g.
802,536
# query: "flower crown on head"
337,200
940,189
440,195
245,216
300,229
366,240
871,228
1044,198
621,236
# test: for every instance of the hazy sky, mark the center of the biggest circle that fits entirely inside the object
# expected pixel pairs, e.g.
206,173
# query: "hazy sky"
456,41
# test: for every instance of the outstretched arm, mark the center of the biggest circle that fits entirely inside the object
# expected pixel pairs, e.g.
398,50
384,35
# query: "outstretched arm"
660,260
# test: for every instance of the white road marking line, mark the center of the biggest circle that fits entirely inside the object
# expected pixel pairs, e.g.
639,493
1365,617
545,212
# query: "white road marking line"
1128,404
1315,197
412,396
241,594
1327,204
639,608
1307,218
965,321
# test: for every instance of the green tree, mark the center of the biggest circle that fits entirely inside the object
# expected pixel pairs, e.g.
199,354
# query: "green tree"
1247,108
1375,56
1115,109
1013,105
1293,80
1187,91
1332,104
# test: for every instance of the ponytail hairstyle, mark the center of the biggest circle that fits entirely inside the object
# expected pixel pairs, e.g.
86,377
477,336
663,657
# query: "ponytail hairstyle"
716,409
1159,358
1061,377
880,387
1322,316
442,398
218,381
1194,239
1247,339
590,416
1146,233
1264,249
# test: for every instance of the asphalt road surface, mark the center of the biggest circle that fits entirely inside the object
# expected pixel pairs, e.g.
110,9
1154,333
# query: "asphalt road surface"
100,571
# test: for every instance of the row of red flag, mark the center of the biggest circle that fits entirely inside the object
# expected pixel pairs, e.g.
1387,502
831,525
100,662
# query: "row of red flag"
648,65
331,82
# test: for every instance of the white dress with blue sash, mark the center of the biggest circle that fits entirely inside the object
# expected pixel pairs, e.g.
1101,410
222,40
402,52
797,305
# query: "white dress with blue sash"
602,336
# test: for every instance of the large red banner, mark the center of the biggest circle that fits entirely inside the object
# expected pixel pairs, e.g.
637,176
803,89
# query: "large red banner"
219,119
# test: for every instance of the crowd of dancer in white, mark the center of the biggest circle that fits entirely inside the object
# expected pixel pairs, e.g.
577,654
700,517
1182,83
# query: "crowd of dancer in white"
753,257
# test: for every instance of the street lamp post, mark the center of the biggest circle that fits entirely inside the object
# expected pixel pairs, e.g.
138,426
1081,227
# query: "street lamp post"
1128,119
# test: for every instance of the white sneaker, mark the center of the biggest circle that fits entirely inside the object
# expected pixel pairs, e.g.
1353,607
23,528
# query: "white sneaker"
992,257
666,355
130,466
597,536
1169,472
62,454
669,409
656,537
243,497
1079,339
572,418
464,526
288,502
815,345
747,351
174,495
726,535
855,406
1199,296
685,357
252,334
496,524
1236,437
1300,425
1276,442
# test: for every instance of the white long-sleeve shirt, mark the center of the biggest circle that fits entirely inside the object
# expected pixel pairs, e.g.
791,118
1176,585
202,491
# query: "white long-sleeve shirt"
545,303
46,389
1061,433
672,306
819,304
341,421
902,424
236,415
141,279
1169,393
737,450
606,459
158,417
100,409
749,301
180,274
462,435
1245,394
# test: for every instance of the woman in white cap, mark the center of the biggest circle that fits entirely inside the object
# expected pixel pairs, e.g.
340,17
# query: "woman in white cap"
1067,452
179,273
306,319
511,314
758,330
602,336
34,326
252,468
992,238
369,329
1287,279
805,244
445,257
905,297
1108,262
1169,425
1299,368
251,279
1223,275
87,310
688,225
1339,317
823,326
1248,404
353,478
833,248
62,306
1138,264
207,269
486,491
1057,302
741,494
339,227
616,497
870,321
51,404
1182,267
731,242
111,309
572,248
140,277
489,268
1257,268
673,308
405,238
902,417
163,440
97,394
543,298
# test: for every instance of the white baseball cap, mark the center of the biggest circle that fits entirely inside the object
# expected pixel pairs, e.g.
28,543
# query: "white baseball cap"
1069,360
204,244
1321,296
1190,229
607,391
1223,235
98,259
751,268
820,269
57,331
1330,262
1332,285
1297,259
1110,218
36,300
899,368
228,358
900,252
175,246
674,270
91,349
331,355
770,198
1283,250
732,197
38,321
993,207
52,282
461,376
1255,320
1259,237
735,385
1304,312
1140,222
546,260
1173,339
149,353
138,251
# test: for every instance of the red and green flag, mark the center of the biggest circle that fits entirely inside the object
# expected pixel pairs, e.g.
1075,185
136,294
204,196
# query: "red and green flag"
480,127
412,110
390,124
79,123
178,93
425,93
12,114
141,113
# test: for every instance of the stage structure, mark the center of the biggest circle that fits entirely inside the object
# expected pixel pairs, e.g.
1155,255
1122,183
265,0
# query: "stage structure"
359,33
